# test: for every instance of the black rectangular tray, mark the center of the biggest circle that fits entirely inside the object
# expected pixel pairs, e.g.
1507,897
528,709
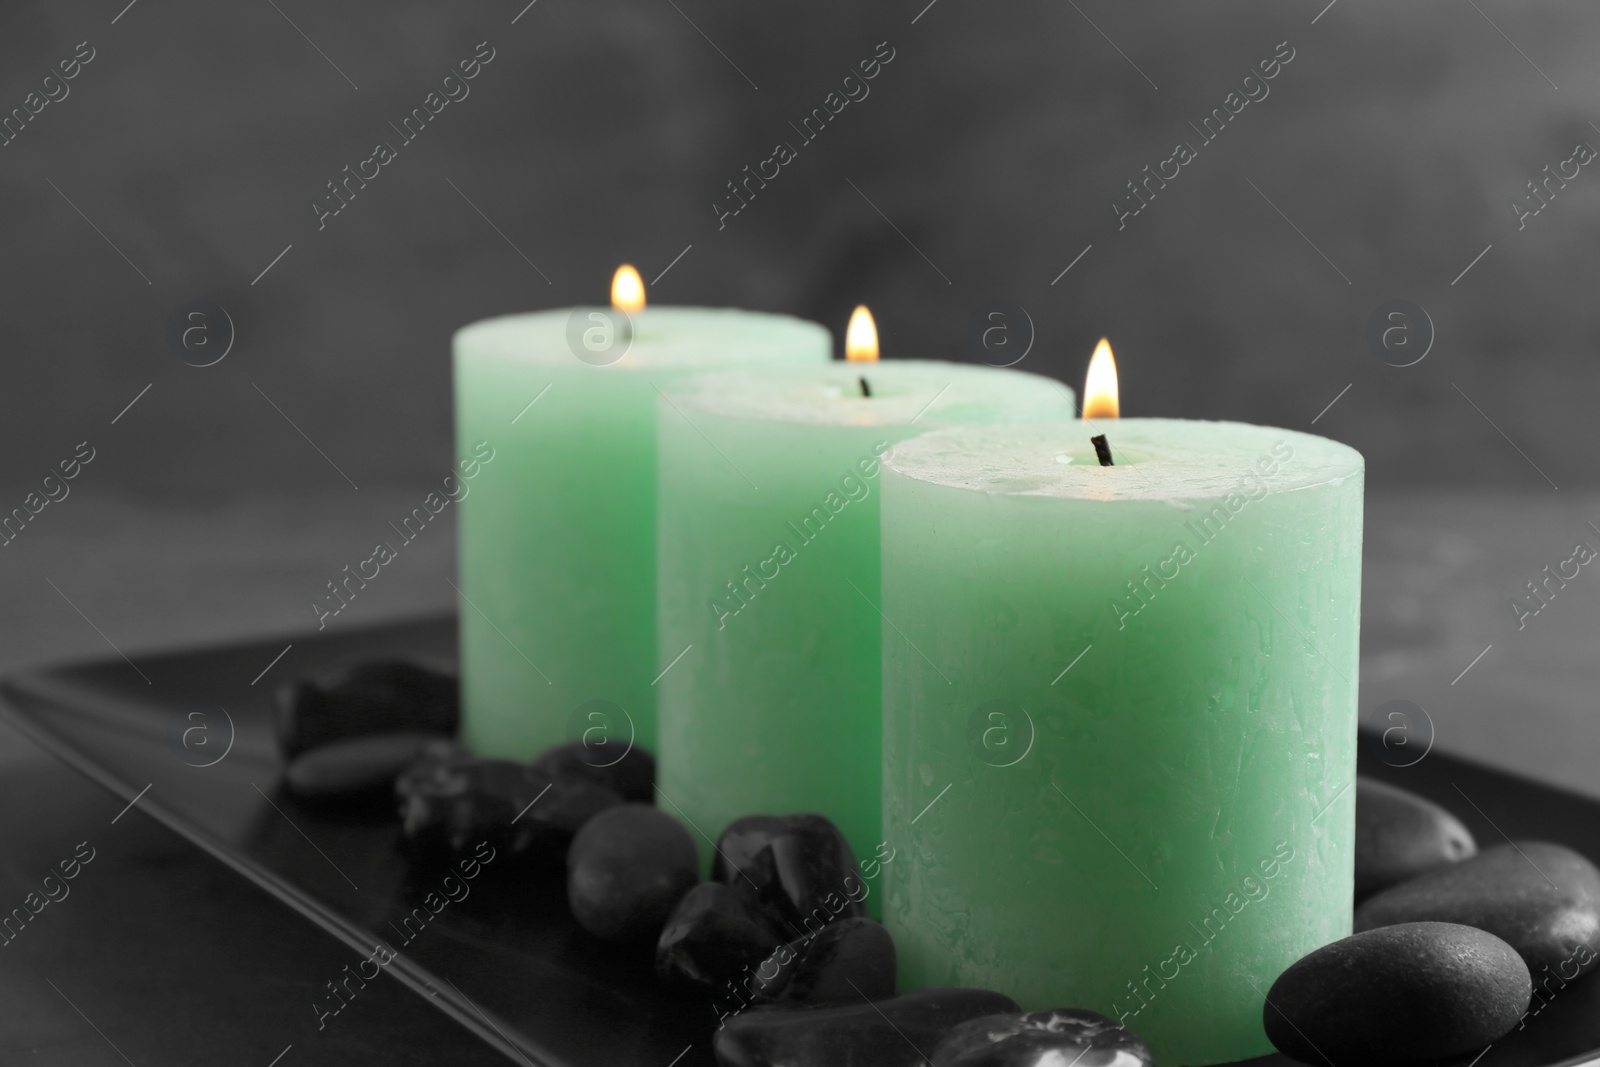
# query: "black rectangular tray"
186,736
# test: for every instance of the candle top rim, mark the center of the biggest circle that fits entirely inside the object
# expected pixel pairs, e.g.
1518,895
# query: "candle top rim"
1161,460
665,336
931,393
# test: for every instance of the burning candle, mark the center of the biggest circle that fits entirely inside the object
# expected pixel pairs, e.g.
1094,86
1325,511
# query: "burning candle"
768,574
558,532
1120,714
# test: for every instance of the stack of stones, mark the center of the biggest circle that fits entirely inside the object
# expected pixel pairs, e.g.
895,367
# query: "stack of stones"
1453,949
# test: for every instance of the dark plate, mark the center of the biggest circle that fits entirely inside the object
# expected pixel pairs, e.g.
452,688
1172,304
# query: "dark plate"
188,735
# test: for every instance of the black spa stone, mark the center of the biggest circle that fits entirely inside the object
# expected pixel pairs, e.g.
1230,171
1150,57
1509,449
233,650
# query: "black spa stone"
848,960
626,871
1400,835
884,1033
713,941
355,768
548,828
1052,1038
449,800
370,698
791,868
1542,899
1399,995
633,776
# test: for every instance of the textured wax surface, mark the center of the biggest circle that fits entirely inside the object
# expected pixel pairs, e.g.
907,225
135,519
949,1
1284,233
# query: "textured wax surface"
558,530
928,393
776,706
1083,782
664,338
1155,459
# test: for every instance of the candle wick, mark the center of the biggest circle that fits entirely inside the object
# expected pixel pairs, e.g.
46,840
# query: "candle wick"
1101,449
866,390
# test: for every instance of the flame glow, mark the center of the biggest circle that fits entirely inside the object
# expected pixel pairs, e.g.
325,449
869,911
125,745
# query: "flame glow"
1100,384
861,337
627,289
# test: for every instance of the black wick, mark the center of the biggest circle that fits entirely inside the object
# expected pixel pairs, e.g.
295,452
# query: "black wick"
866,390
1101,449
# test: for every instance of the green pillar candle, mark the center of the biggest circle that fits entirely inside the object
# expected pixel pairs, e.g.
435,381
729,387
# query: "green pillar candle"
1120,717
557,563
768,578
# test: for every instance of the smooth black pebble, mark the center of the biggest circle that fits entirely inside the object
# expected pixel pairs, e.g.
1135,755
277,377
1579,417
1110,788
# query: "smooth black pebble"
626,870
1398,995
449,800
847,960
1540,898
885,1033
711,939
1052,1038
791,868
355,768
377,697
633,776
1400,835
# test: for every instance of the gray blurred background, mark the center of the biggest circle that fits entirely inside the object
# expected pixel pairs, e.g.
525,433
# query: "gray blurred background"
185,160
996,142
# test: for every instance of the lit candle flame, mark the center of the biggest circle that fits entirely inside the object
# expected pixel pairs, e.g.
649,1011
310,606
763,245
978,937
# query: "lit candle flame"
627,289
861,337
1100,384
